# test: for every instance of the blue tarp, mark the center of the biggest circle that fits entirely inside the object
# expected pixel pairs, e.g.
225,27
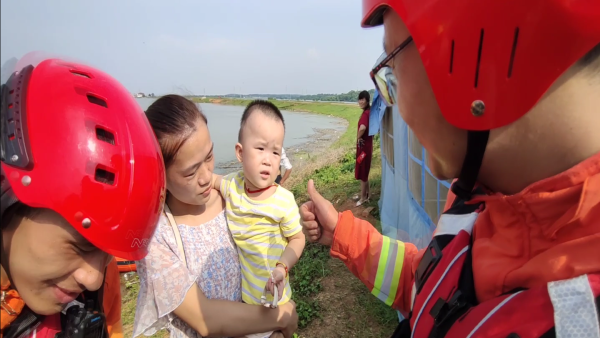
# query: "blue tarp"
377,111
407,186
402,216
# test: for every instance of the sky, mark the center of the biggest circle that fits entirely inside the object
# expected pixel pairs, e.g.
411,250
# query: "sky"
201,46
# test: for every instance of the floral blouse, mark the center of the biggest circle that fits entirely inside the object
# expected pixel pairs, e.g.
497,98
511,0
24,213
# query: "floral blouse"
213,264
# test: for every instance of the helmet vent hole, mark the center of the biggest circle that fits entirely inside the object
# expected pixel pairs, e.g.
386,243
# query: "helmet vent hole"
96,100
479,58
513,52
451,56
105,136
104,176
79,73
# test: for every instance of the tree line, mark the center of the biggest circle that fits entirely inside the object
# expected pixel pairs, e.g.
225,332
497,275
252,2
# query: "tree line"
351,96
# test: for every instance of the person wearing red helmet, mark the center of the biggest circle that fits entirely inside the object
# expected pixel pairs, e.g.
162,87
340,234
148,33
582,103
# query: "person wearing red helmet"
82,180
504,95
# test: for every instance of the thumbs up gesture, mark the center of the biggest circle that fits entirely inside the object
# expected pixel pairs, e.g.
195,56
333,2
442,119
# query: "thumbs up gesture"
318,217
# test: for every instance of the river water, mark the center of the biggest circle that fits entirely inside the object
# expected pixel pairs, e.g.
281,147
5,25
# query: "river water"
224,122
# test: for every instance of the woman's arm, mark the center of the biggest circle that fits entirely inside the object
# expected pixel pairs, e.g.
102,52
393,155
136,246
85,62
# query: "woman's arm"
285,162
285,176
361,131
167,287
363,125
220,318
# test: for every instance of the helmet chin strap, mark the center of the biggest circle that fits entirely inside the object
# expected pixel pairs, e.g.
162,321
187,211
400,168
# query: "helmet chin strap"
476,144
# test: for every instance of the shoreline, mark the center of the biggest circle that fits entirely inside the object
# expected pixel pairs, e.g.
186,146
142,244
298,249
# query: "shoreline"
300,154
347,114
306,156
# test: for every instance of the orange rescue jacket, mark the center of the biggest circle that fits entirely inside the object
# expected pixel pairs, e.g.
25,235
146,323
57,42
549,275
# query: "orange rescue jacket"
550,231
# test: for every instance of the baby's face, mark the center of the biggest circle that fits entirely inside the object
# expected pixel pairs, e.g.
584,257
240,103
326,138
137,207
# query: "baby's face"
262,140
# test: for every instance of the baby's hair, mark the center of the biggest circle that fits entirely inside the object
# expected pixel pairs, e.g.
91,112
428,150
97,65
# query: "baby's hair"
265,107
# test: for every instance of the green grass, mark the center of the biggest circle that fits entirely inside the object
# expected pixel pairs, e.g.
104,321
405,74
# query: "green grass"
129,297
337,184
305,280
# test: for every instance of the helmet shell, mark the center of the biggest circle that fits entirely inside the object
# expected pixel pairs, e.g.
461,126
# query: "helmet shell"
78,143
489,62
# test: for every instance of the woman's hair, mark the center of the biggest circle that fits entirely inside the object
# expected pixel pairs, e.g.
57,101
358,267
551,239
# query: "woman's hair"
173,119
16,212
365,95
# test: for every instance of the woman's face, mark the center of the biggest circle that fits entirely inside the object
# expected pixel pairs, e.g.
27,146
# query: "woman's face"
362,103
189,177
49,262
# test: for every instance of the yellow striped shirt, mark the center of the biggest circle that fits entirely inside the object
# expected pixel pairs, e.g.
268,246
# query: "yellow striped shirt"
259,229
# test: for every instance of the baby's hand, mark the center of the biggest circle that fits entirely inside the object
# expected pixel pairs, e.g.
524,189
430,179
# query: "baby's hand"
277,279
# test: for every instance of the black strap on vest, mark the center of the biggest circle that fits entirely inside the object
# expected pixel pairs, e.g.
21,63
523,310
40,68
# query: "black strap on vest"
445,311
23,324
476,144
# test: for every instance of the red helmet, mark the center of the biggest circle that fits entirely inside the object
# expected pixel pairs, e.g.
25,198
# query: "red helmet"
75,141
503,53
489,62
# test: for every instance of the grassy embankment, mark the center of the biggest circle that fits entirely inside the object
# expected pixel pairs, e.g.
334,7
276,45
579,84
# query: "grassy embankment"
344,307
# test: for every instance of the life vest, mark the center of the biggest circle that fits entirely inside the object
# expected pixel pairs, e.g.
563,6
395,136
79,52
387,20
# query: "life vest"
444,303
11,305
83,318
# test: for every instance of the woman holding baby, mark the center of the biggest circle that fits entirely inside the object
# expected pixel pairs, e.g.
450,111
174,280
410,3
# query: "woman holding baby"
190,282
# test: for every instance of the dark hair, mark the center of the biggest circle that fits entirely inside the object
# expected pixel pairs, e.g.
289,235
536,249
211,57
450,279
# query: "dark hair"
18,211
173,119
265,107
592,60
365,95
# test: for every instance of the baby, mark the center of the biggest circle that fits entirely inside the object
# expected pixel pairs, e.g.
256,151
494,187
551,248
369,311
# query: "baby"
263,217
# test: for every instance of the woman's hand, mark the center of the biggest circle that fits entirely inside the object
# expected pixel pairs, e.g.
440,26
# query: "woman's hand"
360,142
318,217
290,317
